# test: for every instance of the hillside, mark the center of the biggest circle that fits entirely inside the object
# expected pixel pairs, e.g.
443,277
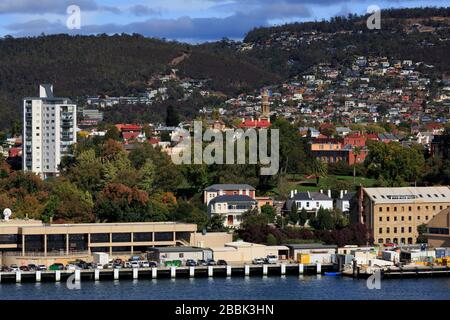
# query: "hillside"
420,34
113,65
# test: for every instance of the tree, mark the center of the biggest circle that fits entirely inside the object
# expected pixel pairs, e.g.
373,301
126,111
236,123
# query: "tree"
323,220
356,152
293,214
112,133
172,117
422,229
303,217
318,169
269,211
215,223
271,240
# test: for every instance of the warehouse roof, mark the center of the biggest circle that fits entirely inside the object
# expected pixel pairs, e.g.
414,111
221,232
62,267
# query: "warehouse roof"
408,194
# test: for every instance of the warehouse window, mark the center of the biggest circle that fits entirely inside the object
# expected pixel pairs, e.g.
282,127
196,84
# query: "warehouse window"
380,230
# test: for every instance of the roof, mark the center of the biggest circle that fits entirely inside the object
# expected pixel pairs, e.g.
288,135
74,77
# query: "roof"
409,194
249,123
311,246
306,195
233,198
236,187
243,244
348,196
178,249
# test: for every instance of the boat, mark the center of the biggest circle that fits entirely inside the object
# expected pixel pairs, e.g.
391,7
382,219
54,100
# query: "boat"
333,274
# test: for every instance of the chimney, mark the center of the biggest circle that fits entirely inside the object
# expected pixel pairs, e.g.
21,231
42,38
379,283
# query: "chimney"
295,191
292,193
345,192
329,193
342,194
321,190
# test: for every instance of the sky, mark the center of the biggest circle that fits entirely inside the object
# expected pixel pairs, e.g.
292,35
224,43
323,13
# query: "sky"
192,21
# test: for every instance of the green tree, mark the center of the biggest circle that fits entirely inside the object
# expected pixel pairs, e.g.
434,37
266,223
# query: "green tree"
172,117
318,169
269,211
422,229
323,220
293,214
112,133
271,240
303,216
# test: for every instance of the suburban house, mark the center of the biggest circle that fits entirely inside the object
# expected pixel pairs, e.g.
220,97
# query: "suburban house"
343,202
310,201
216,190
231,207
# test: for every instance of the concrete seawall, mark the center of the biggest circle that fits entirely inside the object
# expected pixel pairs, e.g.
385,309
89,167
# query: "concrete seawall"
166,272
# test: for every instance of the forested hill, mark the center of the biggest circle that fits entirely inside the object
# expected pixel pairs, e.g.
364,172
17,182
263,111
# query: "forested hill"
420,34
113,65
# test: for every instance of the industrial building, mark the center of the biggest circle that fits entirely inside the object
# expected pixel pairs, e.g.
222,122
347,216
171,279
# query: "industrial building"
393,214
438,234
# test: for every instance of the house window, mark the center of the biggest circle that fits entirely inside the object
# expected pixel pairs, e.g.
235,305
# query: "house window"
380,230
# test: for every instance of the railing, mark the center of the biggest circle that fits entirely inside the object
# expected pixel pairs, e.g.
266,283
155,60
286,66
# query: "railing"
42,254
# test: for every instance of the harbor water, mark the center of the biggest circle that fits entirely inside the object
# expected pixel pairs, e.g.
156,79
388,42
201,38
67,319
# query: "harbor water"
236,288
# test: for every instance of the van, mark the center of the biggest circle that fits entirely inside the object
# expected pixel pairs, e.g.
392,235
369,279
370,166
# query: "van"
272,259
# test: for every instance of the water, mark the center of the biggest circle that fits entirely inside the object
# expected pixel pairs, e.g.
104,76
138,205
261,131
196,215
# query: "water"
238,288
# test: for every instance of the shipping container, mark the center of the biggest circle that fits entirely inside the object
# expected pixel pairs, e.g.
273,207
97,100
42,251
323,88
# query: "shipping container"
303,258
100,258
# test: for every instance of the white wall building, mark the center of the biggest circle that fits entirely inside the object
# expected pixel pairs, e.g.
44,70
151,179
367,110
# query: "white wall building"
49,128
310,201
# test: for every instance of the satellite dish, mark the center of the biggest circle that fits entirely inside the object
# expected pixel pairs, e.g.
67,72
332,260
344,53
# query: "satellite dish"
7,213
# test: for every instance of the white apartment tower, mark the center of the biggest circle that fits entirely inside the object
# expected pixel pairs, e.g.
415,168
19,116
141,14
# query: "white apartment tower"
49,128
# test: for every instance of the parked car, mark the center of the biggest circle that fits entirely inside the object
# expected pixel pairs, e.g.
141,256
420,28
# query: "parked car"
258,261
72,267
14,267
41,267
190,263
56,266
98,266
32,267
117,265
6,269
202,262
145,264
24,268
152,264
272,259
211,262
108,266
222,263
135,264
127,265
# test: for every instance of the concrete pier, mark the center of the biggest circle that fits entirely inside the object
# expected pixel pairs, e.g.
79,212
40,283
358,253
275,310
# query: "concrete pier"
265,270
77,275
185,271
283,268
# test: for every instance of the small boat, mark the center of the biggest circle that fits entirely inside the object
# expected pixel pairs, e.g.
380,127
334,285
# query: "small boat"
333,274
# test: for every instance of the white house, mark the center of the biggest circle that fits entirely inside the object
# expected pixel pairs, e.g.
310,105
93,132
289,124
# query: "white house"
310,201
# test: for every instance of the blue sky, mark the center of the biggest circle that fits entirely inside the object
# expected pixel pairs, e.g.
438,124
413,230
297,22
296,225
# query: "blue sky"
184,20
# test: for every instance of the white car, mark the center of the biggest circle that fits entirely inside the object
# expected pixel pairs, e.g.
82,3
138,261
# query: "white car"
108,266
135,264
41,267
14,267
127,265
258,261
72,267
99,266
145,264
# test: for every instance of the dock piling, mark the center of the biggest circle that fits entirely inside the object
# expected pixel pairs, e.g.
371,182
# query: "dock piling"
57,275
301,268
173,272
154,273
77,275
228,271
319,268
135,273
210,271
265,270
247,270
191,272
96,274
38,276
283,268
18,276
